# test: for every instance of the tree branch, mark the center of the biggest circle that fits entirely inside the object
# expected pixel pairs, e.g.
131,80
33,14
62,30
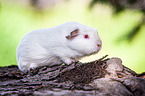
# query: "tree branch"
100,77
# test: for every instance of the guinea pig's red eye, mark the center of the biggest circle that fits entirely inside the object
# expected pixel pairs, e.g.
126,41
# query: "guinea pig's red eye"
86,36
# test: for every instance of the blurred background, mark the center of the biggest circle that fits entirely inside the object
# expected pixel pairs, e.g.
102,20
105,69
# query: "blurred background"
120,24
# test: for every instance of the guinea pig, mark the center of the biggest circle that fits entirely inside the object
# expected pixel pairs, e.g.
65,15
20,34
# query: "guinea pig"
65,43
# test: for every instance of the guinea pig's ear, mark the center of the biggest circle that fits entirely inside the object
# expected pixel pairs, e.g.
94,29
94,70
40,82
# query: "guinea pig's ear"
73,34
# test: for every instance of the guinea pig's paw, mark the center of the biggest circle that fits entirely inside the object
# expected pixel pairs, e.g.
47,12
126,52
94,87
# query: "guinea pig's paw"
68,61
33,65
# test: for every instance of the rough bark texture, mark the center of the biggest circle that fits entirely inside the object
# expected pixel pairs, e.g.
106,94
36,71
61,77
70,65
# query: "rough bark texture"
101,78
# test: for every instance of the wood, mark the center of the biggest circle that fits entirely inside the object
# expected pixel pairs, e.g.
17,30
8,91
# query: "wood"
103,77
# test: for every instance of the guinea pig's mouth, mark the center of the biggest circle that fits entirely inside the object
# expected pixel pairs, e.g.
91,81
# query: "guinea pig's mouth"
95,52
98,49
90,52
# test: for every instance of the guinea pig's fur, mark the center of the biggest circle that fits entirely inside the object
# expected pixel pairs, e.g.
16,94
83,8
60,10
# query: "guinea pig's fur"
65,43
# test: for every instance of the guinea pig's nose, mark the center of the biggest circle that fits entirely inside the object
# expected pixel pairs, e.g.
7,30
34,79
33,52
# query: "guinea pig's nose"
99,45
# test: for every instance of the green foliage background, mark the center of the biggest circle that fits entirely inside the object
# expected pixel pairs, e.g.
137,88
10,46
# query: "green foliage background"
17,19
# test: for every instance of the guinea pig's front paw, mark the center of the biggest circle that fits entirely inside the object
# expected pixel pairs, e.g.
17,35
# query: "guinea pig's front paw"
69,61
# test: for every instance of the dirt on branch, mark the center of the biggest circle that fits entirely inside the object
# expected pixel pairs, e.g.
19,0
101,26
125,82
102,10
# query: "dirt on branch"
103,77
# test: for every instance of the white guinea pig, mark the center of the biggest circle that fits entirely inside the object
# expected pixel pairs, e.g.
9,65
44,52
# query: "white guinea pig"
65,43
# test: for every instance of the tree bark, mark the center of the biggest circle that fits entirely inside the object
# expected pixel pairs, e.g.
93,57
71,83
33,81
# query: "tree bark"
103,77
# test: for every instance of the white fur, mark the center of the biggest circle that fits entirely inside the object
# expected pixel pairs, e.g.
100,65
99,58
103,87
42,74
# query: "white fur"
50,46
